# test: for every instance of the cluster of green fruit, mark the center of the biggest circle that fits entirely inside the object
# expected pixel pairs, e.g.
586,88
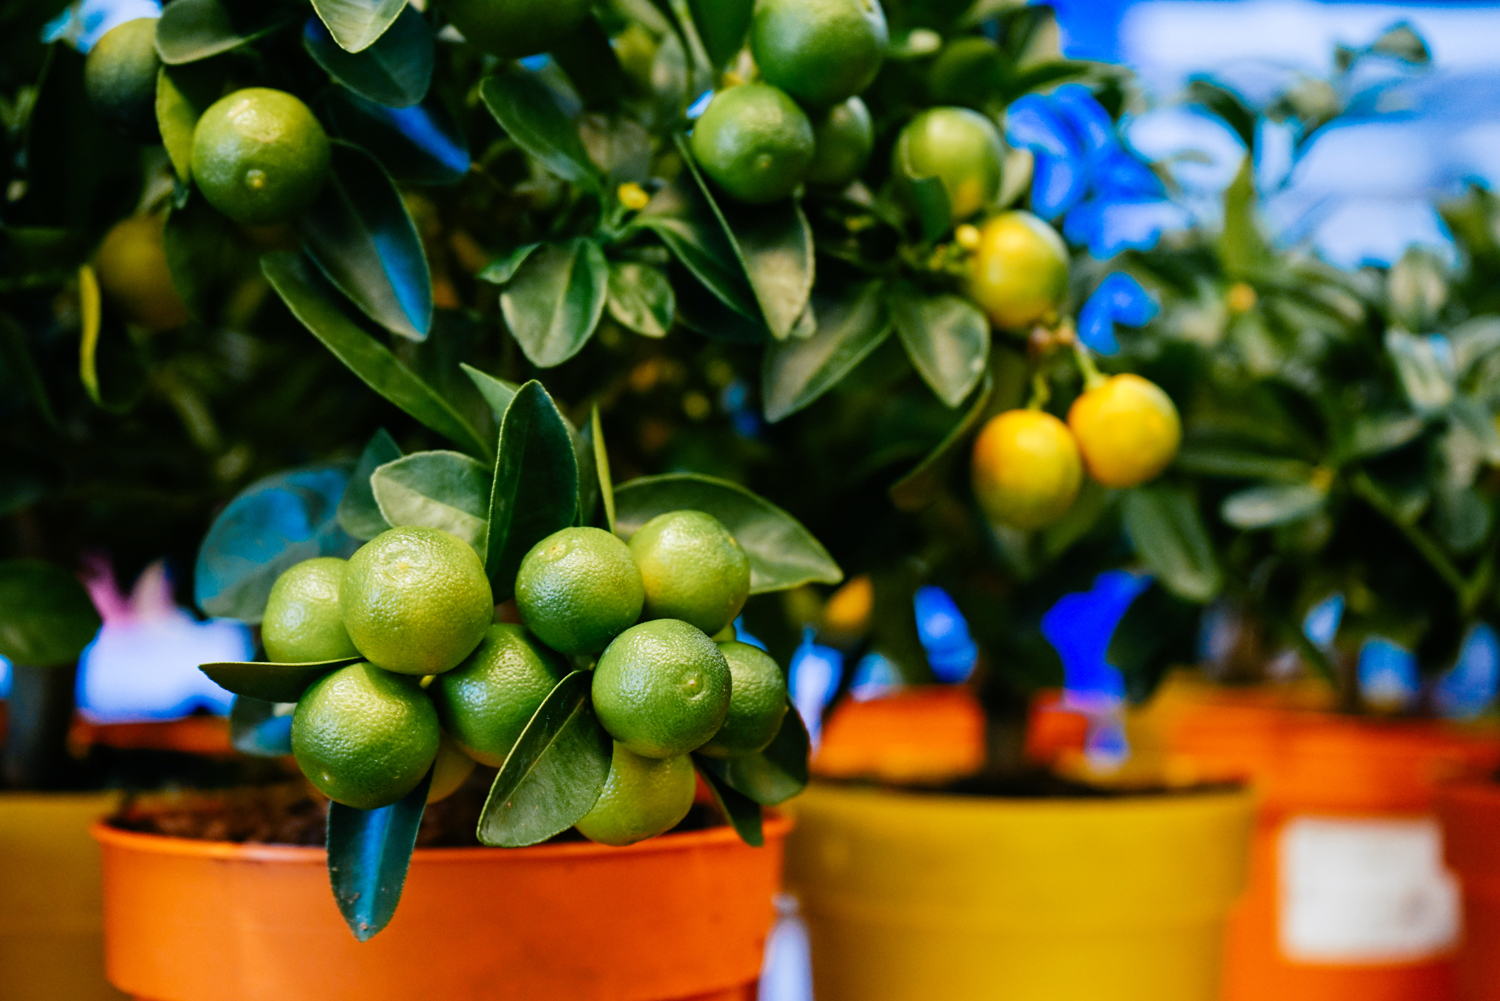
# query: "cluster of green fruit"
441,686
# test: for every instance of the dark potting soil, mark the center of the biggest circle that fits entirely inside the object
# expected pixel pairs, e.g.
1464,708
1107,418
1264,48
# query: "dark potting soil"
297,814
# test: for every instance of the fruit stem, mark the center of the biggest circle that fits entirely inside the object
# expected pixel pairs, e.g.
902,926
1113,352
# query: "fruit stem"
1041,391
1092,377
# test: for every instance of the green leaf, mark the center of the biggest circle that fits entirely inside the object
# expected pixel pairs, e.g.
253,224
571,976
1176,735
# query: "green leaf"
394,71
722,25
601,467
205,255
554,774
109,364
920,487
359,515
496,392
682,218
794,373
1426,372
1376,434
369,852
1417,288
190,30
1475,418
929,201
1473,341
270,682
448,491
503,268
1242,248
15,356
533,115
1170,539
259,728
358,24
783,554
535,491
48,618
315,303
641,298
422,144
1213,460
361,236
1271,504
742,812
554,301
1463,518
183,93
774,245
946,337
772,776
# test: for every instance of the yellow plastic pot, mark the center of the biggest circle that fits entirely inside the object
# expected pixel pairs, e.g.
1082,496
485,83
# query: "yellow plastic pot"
51,911
911,897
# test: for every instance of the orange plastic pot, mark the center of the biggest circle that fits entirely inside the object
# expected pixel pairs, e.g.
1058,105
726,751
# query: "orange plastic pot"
914,735
1348,897
679,917
1471,820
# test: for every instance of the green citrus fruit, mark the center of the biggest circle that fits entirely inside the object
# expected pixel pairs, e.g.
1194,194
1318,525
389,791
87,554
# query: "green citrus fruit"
515,28
486,701
1127,429
1019,272
259,156
842,141
662,688
364,737
119,77
757,703
968,68
961,148
303,622
642,797
754,142
819,51
131,264
1026,469
578,589
450,769
416,600
693,569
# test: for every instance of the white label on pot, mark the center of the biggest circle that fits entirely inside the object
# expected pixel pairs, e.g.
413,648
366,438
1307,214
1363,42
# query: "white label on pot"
1365,891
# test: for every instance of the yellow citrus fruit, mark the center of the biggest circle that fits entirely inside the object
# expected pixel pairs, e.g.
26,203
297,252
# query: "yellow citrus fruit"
416,600
662,688
757,703
515,28
961,148
578,589
642,797
819,51
754,142
1026,469
486,701
848,610
692,568
119,77
1127,429
303,622
842,141
259,156
450,769
364,737
133,275
1019,272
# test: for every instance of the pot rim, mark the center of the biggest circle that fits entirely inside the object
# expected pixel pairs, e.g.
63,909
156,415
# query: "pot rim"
776,825
1225,791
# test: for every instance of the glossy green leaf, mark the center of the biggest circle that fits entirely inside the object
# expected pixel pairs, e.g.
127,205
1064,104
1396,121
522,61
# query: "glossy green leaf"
183,93
535,491
315,303
1473,341
946,337
682,218
553,303
920,487
1214,460
394,71
503,268
1376,434
772,776
369,852
641,298
1169,537
357,24
929,202
190,30
1417,289
554,774
47,616
270,682
206,256
601,467
448,491
1242,248
742,812
533,115
794,373
496,392
1271,504
1463,518
421,144
783,554
362,237
259,728
358,513
722,25
1426,371
110,365
1475,418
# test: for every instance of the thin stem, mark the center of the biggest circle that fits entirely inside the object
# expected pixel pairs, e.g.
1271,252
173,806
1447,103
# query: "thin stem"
1366,490
1092,377
1041,391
